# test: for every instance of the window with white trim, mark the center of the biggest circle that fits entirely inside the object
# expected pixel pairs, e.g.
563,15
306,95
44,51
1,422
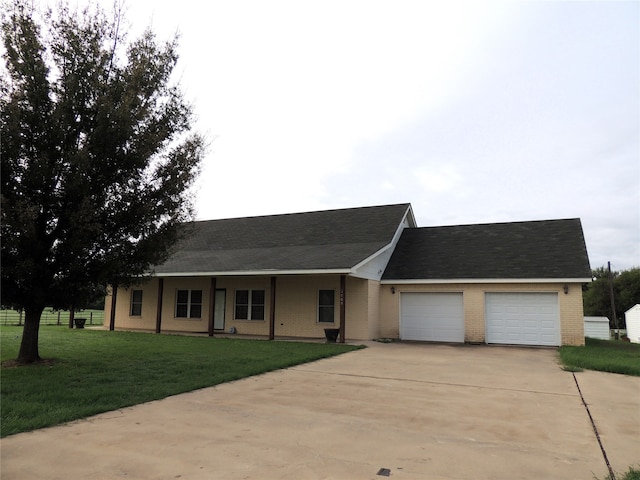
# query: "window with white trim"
189,304
326,306
249,305
136,303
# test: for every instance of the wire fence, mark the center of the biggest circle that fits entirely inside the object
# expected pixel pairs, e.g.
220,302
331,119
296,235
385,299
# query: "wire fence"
52,317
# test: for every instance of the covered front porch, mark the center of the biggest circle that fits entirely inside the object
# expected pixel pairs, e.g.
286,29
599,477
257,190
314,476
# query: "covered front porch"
263,306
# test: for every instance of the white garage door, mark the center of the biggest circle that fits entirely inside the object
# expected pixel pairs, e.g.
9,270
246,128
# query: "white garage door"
522,318
433,317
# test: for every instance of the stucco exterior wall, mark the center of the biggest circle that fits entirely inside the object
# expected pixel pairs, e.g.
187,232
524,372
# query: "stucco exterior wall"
569,305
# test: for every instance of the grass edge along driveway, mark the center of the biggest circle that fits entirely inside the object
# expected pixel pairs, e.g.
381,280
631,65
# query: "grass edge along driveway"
95,371
612,356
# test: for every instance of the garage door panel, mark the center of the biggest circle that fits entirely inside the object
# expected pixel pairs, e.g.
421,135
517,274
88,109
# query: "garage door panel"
435,317
522,318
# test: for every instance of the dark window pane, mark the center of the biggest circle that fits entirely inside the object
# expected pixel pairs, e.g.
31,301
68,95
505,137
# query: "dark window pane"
326,314
181,310
241,312
196,296
326,297
257,297
196,311
242,297
136,309
257,312
183,296
136,296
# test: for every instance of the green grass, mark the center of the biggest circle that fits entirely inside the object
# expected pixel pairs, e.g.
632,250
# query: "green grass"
95,371
632,474
615,356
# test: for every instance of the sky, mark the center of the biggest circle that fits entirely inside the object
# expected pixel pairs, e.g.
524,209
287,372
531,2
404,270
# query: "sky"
473,112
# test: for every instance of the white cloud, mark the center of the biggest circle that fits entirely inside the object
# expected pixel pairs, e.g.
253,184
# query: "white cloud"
472,111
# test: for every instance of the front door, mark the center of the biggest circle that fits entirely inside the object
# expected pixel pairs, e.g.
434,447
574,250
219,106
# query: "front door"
218,314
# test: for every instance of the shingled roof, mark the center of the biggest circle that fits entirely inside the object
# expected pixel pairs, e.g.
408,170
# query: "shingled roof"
334,240
548,249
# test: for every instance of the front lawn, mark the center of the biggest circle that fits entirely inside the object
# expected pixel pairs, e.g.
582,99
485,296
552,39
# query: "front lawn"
615,356
94,371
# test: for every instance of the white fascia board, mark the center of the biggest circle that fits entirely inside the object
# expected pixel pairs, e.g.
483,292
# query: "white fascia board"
411,217
247,273
486,280
372,256
408,216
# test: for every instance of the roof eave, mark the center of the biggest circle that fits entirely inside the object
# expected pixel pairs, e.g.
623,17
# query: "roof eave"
483,280
252,273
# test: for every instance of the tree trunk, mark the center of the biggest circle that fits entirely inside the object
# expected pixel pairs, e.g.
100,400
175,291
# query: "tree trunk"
29,346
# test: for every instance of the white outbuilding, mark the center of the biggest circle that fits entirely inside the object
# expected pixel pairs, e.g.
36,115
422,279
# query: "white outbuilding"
632,319
597,327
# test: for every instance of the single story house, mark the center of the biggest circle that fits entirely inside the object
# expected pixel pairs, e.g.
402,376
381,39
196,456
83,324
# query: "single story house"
371,273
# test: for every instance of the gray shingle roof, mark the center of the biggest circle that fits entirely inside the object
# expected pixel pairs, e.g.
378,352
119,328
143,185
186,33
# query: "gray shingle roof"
521,250
329,239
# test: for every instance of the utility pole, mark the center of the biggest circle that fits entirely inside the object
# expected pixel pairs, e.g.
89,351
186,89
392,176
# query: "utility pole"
613,303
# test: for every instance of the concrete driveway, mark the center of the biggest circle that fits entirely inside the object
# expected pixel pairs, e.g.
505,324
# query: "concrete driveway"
401,410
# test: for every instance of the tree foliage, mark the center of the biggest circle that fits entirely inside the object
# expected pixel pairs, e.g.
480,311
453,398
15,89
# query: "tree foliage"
626,293
97,156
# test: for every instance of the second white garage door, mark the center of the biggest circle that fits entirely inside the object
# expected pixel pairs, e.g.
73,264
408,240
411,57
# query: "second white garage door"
432,317
522,318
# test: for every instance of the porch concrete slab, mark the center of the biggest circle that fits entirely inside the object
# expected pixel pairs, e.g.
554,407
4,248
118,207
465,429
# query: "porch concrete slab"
418,410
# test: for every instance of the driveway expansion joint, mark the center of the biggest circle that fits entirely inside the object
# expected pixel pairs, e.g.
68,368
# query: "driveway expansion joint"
432,382
612,475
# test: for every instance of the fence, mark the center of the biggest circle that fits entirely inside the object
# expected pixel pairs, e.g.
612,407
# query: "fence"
52,317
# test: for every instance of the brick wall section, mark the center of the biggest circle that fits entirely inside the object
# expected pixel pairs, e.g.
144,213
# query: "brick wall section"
147,321
570,307
357,309
296,310
572,315
372,311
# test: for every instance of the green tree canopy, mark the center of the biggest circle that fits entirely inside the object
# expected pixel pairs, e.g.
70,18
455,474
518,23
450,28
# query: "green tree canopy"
98,157
626,293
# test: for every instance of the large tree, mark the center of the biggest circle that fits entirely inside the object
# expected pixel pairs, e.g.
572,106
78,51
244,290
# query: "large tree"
626,293
98,157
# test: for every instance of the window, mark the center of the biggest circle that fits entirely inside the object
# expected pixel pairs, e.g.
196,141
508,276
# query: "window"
326,306
249,305
189,304
136,303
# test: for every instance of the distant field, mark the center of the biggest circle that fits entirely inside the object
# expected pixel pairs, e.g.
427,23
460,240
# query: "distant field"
52,317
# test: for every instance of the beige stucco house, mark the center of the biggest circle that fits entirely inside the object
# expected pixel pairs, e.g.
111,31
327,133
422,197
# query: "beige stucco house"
371,273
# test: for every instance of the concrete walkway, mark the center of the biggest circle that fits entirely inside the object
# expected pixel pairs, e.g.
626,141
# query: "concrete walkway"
401,410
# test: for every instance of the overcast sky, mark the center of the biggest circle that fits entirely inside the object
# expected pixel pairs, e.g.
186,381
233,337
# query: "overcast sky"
473,112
